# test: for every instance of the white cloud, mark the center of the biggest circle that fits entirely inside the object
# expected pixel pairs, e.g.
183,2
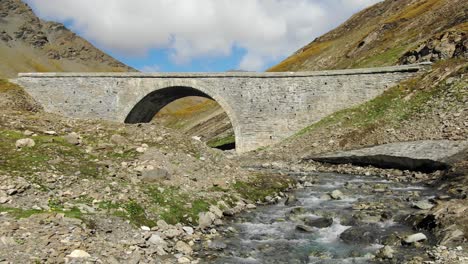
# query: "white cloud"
266,29
151,68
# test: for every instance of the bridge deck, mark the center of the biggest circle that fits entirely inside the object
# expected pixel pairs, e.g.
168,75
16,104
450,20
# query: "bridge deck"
192,75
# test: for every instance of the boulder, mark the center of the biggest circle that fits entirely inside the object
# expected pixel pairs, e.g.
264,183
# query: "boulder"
318,222
217,245
158,241
337,195
291,200
304,228
386,252
414,238
77,253
424,156
25,143
362,235
72,139
155,175
183,248
423,205
118,139
205,220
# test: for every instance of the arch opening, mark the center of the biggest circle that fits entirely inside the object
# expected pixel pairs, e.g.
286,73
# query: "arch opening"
188,110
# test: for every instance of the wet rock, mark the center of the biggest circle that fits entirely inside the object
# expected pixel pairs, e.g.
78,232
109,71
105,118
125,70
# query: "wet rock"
386,252
25,143
361,235
337,195
229,212
251,206
216,245
318,222
304,228
291,200
414,238
423,205
77,253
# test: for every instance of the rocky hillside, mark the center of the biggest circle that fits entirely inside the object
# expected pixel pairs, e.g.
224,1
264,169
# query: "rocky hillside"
29,44
388,33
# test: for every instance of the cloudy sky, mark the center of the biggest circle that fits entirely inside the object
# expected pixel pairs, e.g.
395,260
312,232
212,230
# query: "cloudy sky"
199,35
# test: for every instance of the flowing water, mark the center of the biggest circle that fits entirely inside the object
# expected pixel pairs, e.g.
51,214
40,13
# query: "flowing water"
269,234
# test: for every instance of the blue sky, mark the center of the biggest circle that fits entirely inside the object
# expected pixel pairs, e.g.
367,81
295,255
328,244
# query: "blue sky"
199,35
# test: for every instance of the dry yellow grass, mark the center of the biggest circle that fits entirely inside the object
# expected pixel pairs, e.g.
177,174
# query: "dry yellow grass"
416,9
313,49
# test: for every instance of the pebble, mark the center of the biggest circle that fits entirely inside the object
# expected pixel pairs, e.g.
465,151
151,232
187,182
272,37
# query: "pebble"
145,228
77,253
251,206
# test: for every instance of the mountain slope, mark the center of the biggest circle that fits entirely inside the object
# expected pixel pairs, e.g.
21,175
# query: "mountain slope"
432,105
386,34
29,44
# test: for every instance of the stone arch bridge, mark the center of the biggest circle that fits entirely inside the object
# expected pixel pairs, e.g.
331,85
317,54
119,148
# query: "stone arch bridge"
264,108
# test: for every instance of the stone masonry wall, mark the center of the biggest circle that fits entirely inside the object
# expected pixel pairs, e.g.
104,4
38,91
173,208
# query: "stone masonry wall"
264,108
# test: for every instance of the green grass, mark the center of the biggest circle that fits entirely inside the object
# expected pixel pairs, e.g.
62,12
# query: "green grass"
218,142
172,205
262,185
47,148
54,205
19,213
395,105
137,215
388,57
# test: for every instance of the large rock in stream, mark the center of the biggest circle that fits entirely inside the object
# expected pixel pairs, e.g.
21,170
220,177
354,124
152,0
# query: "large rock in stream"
425,156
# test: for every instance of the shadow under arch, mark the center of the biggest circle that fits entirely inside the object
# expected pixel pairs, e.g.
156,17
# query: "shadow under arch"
147,107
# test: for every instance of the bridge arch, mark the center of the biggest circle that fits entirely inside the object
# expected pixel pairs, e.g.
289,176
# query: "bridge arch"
151,103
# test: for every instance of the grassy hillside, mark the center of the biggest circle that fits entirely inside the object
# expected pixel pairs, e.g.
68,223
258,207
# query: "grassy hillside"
388,33
29,44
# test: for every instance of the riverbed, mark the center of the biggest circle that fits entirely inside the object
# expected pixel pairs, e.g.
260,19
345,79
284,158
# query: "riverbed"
332,218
